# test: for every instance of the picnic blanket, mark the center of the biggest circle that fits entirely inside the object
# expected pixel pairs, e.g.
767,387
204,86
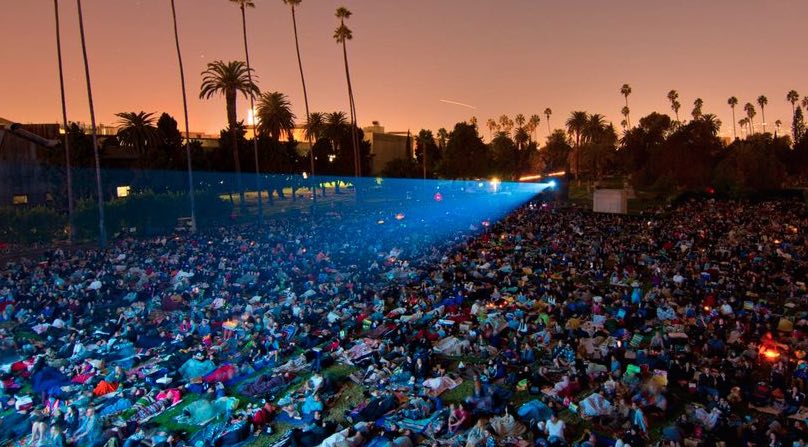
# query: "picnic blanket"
534,410
193,368
427,426
595,405
438,385
451,346
49,380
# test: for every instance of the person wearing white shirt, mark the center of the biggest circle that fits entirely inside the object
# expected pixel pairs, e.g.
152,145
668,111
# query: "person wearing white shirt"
555,429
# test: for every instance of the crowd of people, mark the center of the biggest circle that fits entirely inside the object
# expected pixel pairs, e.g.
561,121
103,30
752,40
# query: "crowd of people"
553,326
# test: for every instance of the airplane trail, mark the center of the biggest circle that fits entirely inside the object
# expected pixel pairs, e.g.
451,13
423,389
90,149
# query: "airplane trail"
457,103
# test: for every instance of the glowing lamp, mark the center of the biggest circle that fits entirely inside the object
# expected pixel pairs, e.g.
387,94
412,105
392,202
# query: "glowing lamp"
486,223
399,216
438,196
771,354
380,222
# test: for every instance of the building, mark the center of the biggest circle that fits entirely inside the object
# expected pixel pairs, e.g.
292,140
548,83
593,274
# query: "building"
22,179
386,146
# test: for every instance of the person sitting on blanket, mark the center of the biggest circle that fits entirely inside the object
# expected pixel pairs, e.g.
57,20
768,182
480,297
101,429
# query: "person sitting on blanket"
563,355
457,419
90,431
314,384
554,428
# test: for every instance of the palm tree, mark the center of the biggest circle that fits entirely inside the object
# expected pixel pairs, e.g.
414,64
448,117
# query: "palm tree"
763,101
275,116
733,101
547,112
750,113
506,124
744,122
534,125
673,97
71,231
335,125
520,121
343,34
793,97
243,5
102,232
229,79
697,105
137,131
777,125
443,137
625,112
521,137
594,135
292,5
625,90
185,116
315,124
594,125
712,122
576,124
491,124
804,102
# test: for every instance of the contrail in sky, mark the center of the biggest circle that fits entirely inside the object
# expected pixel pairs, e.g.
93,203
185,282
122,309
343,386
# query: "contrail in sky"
457,103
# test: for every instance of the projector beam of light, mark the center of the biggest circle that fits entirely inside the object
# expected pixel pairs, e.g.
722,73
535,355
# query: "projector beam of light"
457,103
365,220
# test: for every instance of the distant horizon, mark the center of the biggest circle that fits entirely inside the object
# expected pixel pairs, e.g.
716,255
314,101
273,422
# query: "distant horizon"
416,64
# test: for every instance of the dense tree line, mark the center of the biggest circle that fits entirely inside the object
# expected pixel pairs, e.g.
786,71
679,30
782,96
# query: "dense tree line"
658,153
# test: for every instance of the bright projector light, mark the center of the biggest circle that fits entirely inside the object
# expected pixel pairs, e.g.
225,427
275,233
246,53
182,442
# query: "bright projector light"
552,183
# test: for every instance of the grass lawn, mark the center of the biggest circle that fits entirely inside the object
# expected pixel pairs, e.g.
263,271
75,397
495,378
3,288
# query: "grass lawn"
458,394
349,397
338,372
166,419
264,440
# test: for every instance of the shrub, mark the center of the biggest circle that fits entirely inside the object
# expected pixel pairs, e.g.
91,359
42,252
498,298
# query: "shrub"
150,213
31,225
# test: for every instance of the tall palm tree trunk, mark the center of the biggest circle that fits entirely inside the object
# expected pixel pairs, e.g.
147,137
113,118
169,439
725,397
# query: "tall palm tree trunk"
255,123
354,141
102,233
71,231
628,115
185,116
763,117
734,125
305,99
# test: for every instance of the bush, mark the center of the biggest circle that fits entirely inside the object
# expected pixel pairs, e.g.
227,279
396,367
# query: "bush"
150,213
31,225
